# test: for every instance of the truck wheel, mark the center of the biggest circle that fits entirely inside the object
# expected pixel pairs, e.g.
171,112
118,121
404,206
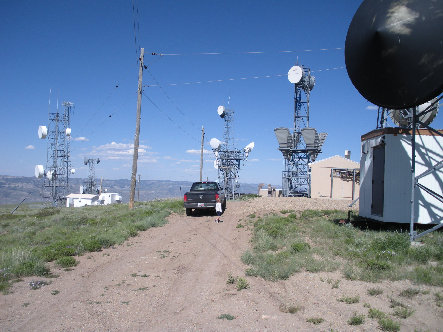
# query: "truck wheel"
189,212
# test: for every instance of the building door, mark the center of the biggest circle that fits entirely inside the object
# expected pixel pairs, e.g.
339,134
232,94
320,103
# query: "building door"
378,180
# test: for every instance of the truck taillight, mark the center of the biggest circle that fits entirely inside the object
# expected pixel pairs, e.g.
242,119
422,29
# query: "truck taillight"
216,196
185,198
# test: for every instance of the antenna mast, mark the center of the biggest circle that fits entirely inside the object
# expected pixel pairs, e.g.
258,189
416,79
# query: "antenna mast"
228,158
303,145
58,163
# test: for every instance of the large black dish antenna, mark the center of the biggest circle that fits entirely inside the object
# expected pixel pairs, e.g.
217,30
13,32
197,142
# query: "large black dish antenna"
394,51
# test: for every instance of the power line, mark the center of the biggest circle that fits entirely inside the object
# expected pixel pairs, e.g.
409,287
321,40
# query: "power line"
170,99
136,27
240,78
170,119
249,52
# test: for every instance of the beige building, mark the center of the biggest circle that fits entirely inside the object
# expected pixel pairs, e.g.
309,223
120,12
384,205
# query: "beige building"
335,177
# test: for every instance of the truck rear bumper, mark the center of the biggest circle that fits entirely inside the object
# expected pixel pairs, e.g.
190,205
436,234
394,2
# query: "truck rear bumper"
199,205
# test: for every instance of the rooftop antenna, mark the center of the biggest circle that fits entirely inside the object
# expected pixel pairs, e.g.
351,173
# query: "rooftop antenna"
303,145
58,164
227,158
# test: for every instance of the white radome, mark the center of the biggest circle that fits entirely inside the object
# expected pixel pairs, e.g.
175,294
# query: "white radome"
42,132
39,171
214,143
295,74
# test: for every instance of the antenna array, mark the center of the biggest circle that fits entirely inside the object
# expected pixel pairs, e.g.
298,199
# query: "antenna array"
90,184
58,163
304,144
228,159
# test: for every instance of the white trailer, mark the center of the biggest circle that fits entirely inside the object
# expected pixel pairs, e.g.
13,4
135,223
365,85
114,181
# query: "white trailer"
386,181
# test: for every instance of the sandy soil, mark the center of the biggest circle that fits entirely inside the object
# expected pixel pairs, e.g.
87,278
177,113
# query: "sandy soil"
173,278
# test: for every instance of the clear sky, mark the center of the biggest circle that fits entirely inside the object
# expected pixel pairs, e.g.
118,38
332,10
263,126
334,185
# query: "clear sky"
86,52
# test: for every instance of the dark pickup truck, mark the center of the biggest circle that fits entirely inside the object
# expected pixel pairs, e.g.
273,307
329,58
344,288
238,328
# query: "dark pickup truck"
203,195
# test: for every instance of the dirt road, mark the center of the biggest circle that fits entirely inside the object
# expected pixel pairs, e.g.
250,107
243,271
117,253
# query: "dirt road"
174,278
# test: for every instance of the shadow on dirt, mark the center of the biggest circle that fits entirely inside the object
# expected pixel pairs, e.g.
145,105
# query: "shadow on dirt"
203,213
375,225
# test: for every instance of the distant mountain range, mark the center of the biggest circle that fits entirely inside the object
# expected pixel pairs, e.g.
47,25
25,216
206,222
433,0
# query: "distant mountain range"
13,189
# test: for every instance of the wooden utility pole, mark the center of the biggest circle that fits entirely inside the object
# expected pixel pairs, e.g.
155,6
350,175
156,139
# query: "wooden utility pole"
201,154
138,189
137,130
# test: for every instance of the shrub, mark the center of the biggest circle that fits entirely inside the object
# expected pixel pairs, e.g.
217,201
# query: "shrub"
387,324
375,291
403,312
226,316
315,320
67,261
375,313
409,293
349,300
242,284
299,246
356,319
231,279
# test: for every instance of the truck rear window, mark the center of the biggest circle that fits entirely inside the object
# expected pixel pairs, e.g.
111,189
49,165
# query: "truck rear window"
204,186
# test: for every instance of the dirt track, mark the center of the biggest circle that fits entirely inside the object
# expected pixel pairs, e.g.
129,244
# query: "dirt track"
173,278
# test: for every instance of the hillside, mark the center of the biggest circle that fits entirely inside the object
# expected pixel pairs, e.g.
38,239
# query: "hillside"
15,188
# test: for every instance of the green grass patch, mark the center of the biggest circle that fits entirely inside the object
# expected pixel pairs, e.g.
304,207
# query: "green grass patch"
376,314
438,298
31,237
356,319
395,303
242,284
387,324
375,291
291,309
226,316
409,293
362,251
67,261
403,312
231,279
315,320
349,299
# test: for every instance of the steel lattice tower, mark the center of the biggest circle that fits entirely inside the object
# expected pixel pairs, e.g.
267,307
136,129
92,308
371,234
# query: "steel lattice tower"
58,163
90,184
228,158
303,145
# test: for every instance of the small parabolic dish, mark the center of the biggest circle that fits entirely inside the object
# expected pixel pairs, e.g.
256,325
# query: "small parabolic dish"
49,174
394,53
403,117
214,143
221,111
311,82
42,132
39,171
215,164
249,147
295,74
68,132
72,170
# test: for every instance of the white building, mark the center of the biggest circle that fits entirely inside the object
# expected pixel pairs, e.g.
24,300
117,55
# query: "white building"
386,180
78,200
335,177
109,198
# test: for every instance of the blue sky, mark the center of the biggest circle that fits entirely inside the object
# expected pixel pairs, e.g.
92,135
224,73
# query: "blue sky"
86,53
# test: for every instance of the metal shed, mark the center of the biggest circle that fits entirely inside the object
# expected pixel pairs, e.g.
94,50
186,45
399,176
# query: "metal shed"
385,175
